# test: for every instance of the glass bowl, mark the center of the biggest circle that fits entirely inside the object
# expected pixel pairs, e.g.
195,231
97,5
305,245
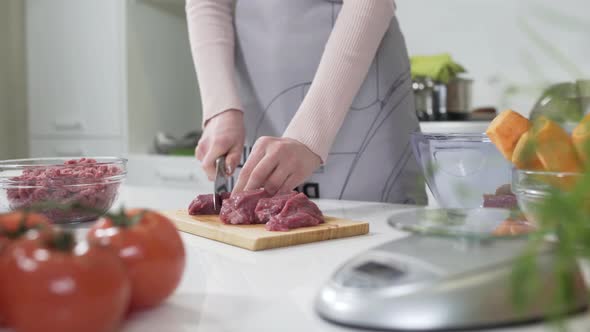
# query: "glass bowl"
470,224
66,190
460,169
533,187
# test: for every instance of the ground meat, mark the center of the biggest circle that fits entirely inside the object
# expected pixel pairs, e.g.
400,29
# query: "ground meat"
240,208
298,211
83,182
268,207
203,204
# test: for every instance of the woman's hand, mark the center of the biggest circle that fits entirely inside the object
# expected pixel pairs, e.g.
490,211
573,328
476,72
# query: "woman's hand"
223,135
278,165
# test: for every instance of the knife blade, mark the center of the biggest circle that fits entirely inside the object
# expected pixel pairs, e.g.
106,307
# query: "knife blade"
220,184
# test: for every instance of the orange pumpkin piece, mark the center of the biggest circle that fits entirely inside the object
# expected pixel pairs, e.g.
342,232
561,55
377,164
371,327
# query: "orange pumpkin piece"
581,140
525,155
505,131
511,227
554,147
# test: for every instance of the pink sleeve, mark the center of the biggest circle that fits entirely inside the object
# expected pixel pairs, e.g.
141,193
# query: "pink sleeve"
212,42
345,62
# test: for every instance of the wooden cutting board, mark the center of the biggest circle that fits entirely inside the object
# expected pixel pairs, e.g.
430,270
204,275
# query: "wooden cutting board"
255,237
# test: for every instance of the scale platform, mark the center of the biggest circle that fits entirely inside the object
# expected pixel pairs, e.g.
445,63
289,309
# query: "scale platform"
453,273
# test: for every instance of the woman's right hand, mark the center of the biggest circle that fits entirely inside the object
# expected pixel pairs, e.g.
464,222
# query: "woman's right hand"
224,134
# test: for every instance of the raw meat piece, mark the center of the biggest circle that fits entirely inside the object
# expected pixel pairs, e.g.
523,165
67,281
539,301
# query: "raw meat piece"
280,213
203,204
240,208
500,201
505,189
502,198
298,211
268,207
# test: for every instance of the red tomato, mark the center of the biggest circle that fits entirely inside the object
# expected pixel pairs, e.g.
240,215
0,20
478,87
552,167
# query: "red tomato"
17,223
56,285
152,250
13,225
3,243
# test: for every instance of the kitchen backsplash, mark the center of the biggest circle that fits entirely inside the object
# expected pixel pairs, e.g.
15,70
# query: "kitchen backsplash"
512,49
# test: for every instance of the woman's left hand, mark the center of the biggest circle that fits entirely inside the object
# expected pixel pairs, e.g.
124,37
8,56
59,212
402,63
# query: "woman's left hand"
278,165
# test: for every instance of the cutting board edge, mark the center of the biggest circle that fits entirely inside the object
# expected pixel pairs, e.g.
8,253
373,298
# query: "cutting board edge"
356,228
319,236
185,227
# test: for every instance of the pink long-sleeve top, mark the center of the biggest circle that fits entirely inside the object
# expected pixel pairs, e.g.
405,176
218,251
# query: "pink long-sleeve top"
348,54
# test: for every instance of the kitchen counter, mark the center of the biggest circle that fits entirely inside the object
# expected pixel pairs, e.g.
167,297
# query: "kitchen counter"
227,288
458,127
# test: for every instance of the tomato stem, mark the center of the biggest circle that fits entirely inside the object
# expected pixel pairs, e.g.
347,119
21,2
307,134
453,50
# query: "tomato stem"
121,219
74,206
63,241
22,227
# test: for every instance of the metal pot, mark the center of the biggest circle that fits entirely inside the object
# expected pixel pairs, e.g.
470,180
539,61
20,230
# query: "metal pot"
436,101
459,98
430,99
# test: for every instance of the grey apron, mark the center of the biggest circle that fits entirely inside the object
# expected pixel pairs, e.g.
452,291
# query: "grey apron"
278,49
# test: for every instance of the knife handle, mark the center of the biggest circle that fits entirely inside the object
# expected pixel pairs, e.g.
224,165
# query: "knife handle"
220,166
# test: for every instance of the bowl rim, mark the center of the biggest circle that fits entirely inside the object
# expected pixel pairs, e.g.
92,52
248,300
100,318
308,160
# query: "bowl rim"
552,173
58,161
9,182
521,190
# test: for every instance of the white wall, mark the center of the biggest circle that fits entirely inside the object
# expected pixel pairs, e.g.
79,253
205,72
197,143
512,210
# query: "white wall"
162,85
13,129
513,49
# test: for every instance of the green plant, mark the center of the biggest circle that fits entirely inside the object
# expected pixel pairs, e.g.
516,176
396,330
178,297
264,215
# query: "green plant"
563,215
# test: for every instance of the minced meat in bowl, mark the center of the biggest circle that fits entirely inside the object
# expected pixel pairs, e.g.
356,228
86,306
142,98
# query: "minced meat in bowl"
65,190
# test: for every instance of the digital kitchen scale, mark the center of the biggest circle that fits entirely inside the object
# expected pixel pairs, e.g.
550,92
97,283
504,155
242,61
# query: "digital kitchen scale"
453,273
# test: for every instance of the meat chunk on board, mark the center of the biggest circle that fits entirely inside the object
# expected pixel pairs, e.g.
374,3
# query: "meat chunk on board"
203,204
240,208
298,211
268,207
279,213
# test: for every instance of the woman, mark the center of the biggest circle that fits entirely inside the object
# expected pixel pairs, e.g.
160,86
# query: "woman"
314,91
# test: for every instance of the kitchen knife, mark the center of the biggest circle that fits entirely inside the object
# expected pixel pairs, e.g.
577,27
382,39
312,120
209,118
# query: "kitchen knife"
220,184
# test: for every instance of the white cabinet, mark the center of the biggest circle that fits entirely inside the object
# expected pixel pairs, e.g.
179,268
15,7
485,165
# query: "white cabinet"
73,147
76,68
167,172
76,75
109,70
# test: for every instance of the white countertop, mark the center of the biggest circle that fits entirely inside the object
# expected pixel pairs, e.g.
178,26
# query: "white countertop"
226,288
454,126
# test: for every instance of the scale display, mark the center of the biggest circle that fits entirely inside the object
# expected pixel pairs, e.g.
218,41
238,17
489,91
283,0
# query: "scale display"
379,270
